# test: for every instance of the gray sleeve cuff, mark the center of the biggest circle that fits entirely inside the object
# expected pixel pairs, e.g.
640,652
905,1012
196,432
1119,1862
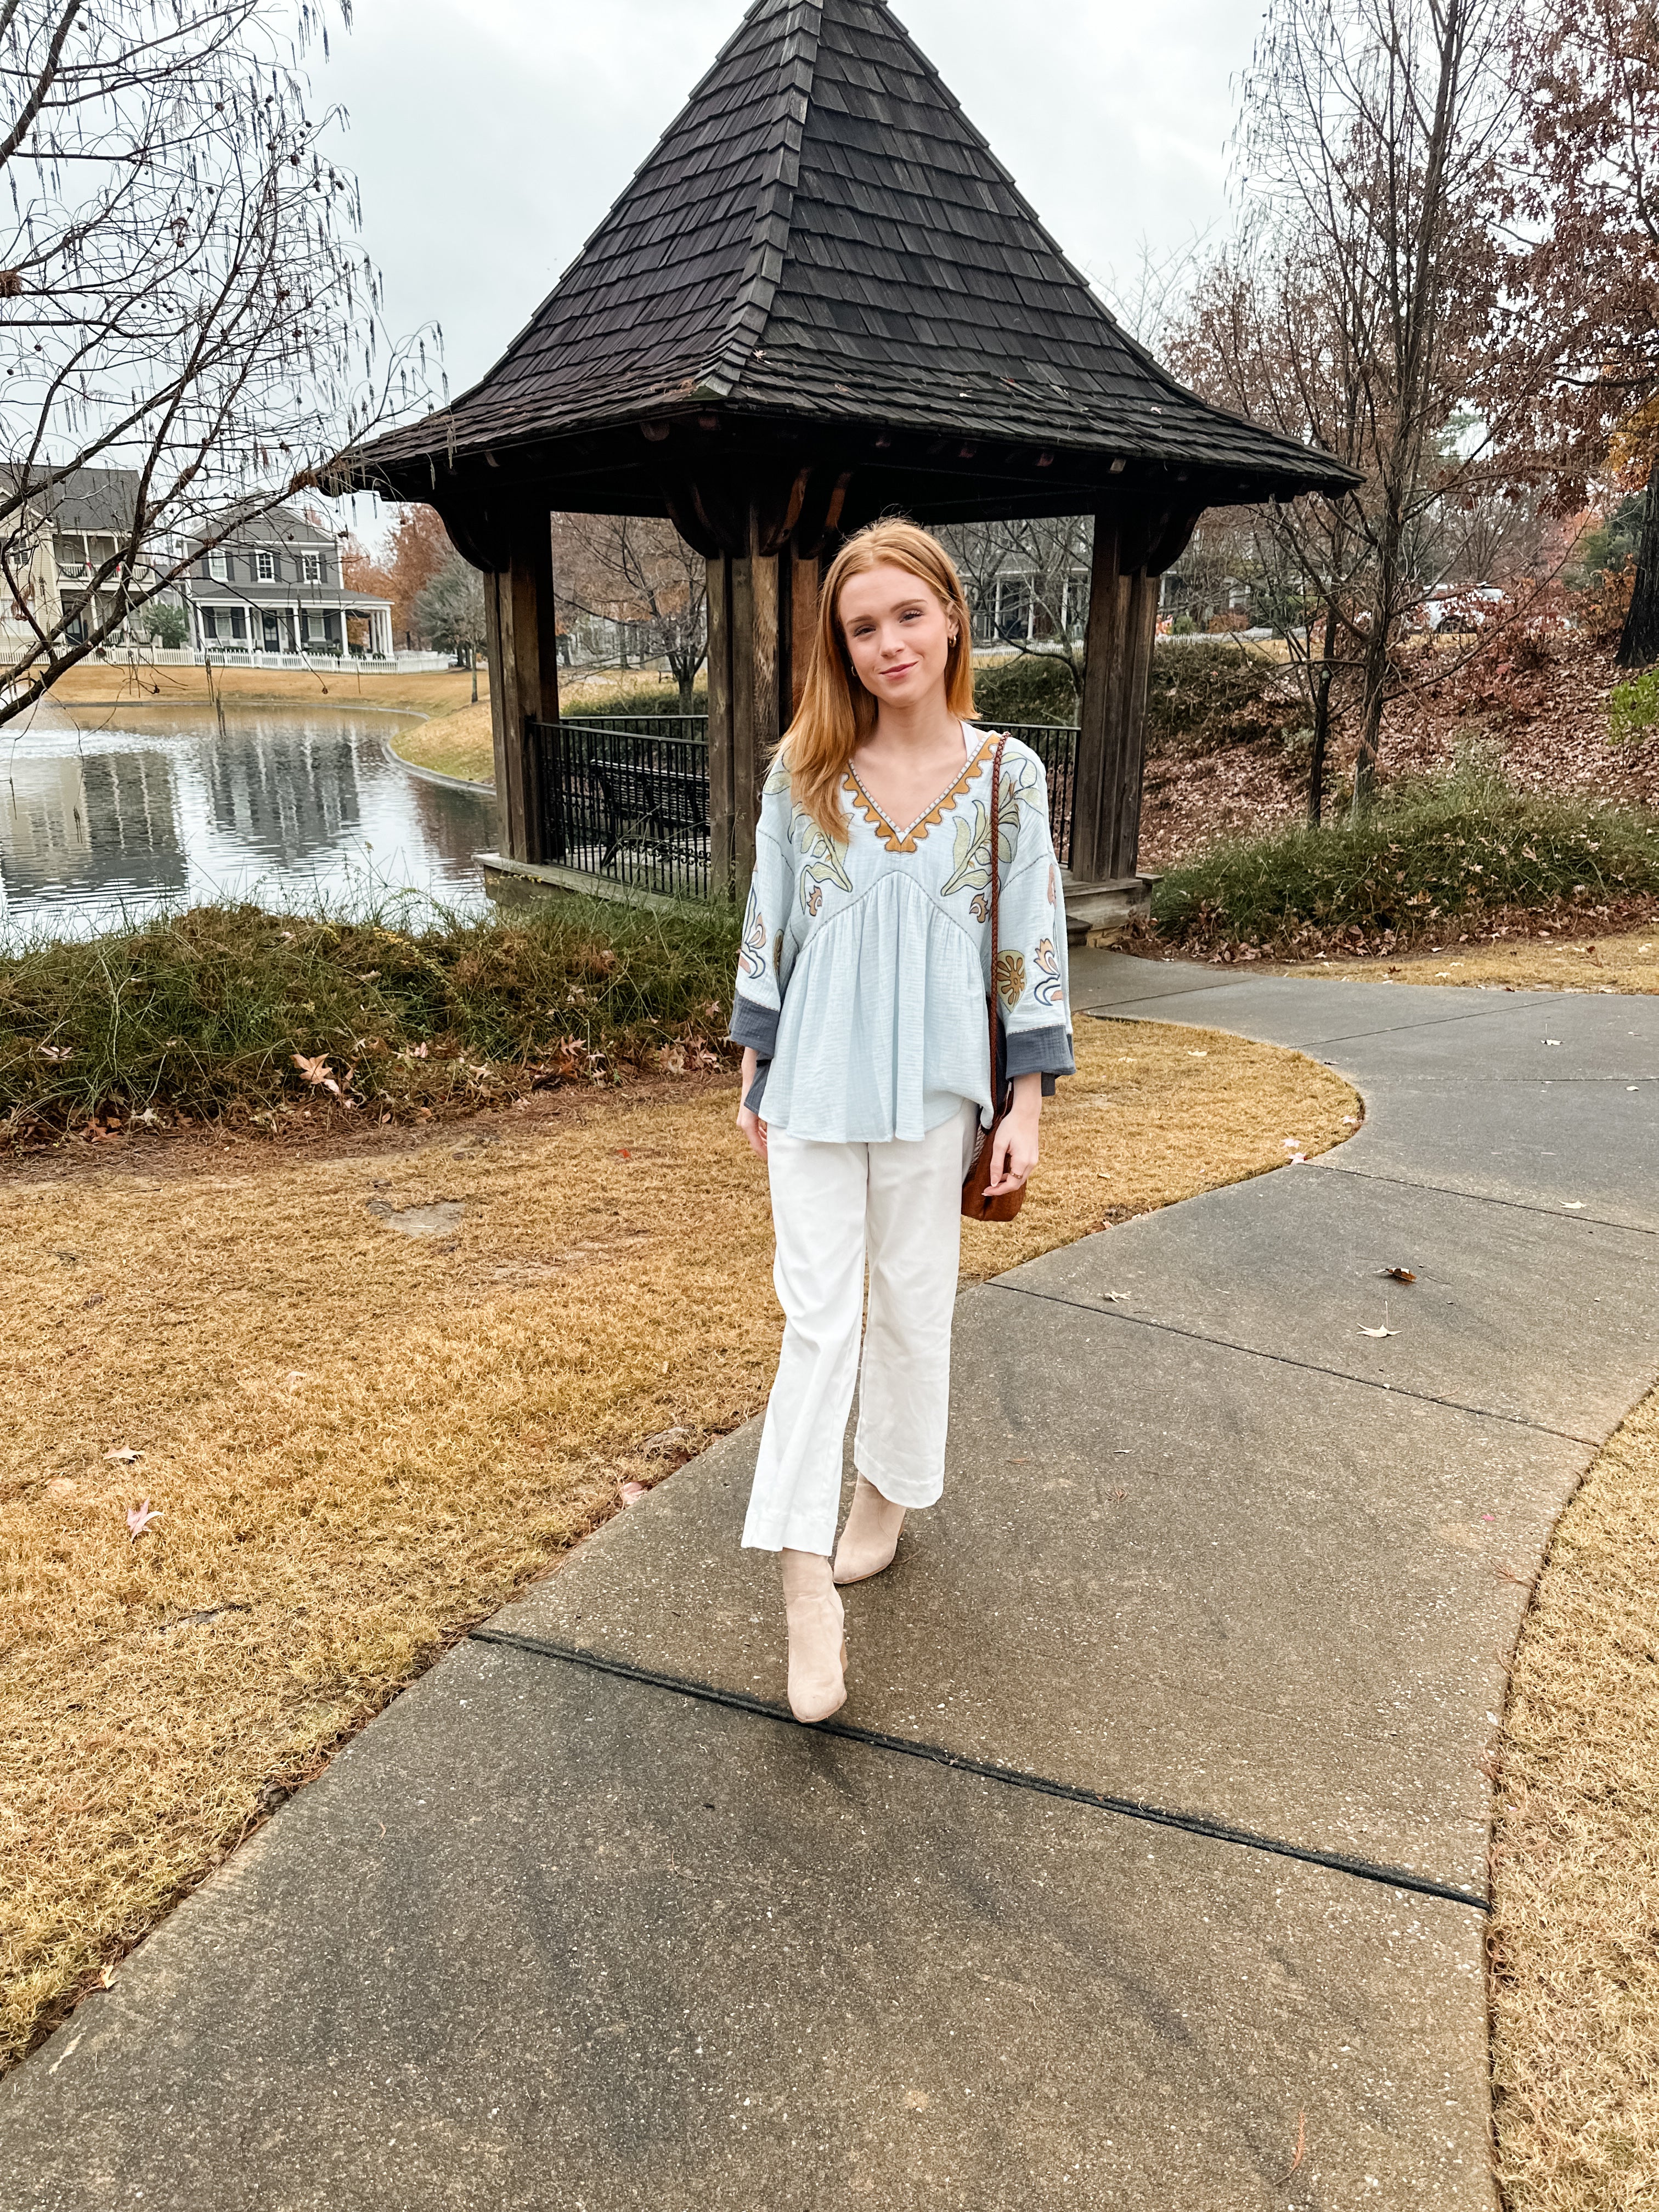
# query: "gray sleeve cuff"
1039,1051
754,1025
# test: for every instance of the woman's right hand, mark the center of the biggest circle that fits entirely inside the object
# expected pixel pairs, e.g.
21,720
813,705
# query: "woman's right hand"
751,1123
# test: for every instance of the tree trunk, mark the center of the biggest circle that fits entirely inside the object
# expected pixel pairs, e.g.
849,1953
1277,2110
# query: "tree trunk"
1638,643
686,679
1321,722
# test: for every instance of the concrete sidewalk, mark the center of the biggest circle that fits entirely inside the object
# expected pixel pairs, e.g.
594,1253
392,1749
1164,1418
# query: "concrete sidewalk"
1213,1621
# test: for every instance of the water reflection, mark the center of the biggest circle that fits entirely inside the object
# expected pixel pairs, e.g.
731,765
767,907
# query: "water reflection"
116,810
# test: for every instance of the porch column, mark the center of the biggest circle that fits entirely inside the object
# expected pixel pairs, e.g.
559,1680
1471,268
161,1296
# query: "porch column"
524,686
1110,741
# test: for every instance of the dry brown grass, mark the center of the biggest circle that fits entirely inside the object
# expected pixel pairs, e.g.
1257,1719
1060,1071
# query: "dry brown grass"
461,744
359,1444
1575,1936
1601,964
438,691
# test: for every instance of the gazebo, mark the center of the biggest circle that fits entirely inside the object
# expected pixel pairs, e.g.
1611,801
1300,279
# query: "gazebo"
821,297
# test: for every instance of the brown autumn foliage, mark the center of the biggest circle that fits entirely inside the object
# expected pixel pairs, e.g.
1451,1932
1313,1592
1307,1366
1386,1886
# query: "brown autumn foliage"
420,547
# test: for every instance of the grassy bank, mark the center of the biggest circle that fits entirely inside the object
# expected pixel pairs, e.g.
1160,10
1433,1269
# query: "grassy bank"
234,1013
439,692
1433,858
1575,1959
359,1441
1604,963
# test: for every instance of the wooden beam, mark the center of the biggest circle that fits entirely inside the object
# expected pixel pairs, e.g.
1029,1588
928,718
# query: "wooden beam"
742,726
1140,627
1093,800
768,662
525,671
722,838
804,577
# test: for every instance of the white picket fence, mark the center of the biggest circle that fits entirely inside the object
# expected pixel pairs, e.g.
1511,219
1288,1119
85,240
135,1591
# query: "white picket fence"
406,664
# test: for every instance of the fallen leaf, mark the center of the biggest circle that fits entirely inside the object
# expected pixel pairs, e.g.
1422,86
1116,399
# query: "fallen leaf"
125,1454
96,1299
140,1517
1379,1332
1398,1274
633,1491
106,1978
1573,1205
622,1155
317,1070
1301,2142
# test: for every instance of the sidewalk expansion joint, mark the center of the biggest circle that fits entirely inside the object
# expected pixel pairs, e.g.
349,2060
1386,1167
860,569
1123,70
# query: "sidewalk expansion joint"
1333,1164
1285,1360
1012,1778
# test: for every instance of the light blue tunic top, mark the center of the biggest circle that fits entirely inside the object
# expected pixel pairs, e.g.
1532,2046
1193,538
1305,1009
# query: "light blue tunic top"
865,965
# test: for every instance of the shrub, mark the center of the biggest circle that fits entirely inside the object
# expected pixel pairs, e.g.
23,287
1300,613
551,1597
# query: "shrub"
1431,851
202,1014
653,699
1028,687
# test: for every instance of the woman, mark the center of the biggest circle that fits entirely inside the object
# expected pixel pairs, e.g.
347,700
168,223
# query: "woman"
861,1009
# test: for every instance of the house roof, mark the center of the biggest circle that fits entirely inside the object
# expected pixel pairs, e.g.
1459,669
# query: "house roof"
821,237
97,500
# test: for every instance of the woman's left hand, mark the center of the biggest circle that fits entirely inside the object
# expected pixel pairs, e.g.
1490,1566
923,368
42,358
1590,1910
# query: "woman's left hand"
1014,1153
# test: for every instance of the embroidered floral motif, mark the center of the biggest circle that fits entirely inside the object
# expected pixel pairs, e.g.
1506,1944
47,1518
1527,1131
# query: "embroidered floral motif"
1046,990
1010,978
972,854
752,954
906,840
980,905
821,863
1051,884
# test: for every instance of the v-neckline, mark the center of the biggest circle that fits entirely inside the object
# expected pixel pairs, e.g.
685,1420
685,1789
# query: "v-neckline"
902,840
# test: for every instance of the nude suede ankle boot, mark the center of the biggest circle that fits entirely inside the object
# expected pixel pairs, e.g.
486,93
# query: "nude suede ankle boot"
871,1537
817,1646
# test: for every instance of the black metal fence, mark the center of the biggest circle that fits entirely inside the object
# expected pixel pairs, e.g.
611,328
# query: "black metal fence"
628,799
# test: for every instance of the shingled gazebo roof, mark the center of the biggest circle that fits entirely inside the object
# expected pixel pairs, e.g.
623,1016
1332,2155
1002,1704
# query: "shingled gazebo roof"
822,257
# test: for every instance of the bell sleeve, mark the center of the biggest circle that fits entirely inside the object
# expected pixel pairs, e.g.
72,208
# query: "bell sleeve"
758,1000
1032,982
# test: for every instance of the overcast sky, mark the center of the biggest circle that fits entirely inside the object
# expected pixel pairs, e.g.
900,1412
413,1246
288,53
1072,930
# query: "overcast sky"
490,136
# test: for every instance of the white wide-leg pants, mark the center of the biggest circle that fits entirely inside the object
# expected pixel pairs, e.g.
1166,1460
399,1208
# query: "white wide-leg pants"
899,1206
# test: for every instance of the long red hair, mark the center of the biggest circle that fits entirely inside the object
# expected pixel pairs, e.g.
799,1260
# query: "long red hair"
836,713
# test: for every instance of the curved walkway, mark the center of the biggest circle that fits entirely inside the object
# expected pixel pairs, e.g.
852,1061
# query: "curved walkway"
1147,1863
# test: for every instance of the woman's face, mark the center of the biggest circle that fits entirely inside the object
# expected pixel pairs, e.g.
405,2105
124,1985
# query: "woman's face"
898,635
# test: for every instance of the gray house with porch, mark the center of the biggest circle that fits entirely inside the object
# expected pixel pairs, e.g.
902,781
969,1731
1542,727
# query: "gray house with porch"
274,585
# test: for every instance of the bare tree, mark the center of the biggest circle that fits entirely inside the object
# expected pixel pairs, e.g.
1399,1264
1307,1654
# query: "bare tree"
640,573
184,300
1590,196
1027,584
1355,306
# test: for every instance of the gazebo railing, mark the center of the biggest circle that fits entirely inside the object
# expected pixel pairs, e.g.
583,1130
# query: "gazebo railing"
627,799
1054,745
626,804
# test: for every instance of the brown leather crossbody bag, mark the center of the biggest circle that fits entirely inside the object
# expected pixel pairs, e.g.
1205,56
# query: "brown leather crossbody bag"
976,1202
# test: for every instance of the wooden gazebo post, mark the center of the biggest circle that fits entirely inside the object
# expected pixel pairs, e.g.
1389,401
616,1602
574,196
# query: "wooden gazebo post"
522,641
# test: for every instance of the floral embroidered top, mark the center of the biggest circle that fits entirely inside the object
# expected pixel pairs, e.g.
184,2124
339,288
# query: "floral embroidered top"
865,966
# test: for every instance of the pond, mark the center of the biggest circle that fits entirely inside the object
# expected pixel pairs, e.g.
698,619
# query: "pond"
109,813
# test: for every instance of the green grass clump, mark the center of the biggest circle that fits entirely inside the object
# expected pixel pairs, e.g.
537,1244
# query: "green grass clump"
1453,849
202,1015
1633,708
